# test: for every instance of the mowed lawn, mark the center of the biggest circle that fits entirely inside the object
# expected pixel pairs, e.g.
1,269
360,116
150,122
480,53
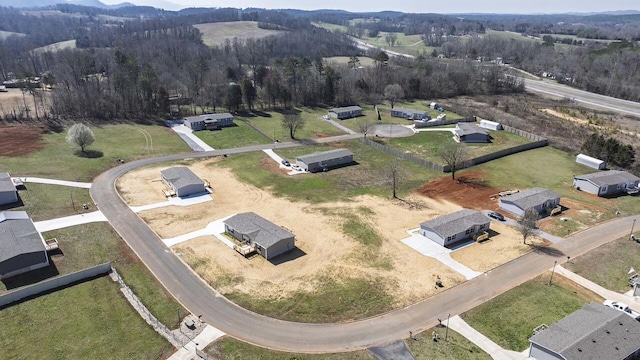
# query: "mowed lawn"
386,118
457,347
44,201
91,320
314,127
215,34
60,160
231,137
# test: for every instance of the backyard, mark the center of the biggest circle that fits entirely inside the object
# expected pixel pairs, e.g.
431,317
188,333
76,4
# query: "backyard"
230,137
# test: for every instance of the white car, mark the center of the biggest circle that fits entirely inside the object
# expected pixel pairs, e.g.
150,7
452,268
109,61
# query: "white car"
296,167
622,307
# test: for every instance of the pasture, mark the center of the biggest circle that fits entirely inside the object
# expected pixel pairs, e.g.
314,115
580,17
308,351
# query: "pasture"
215,34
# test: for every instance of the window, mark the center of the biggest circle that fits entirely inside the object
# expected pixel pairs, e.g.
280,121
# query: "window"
469,231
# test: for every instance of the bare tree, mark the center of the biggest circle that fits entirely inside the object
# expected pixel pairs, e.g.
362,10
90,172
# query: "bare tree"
527,224
395,175
393,93
80,134
364,126
293,122
456,155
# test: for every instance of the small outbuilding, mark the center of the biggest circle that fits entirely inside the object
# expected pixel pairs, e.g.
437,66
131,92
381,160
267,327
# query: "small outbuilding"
591,162
455,227
490,125
410,114
607,183
22,248
265,237
325,160
183,181
8,192
470,133
542,200
345,112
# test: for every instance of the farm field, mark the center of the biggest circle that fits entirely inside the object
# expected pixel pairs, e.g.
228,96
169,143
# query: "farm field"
69,44
230,137
215,34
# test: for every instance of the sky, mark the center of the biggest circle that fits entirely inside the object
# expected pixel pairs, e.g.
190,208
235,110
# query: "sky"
414,6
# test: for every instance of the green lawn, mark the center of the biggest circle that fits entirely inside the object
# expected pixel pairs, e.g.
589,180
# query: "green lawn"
330,27
44,202
230,137
457,347
215,34
510,318
314,126
91,320
406,44
609,264
386,118
228,348
59,160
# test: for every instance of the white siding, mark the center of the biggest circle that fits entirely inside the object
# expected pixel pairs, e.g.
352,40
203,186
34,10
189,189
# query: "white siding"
590,162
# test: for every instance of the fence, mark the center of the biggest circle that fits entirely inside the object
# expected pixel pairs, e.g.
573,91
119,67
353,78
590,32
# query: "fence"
431,123
57,282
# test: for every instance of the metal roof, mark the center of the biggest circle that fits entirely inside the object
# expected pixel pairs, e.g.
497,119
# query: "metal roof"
455,223
592,332
464,129
214,117
18,235
181,176
530,198
610,177
264,232
345,109
324,156
5,183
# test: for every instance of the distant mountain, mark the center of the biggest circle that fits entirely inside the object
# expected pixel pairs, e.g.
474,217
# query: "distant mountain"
93,3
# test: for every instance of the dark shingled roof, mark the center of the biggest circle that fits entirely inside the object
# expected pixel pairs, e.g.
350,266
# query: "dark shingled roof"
531,197
181,176
263,231
468,129
5,183
345,109
593,332
18,235
611,177
324,156
455,223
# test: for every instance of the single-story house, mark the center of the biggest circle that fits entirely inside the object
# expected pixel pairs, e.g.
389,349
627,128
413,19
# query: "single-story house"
542,200
591,162
607,183
182,181
491,125
410,114
22,248
8,192
209,121
268,239
593,332
455,227
470,133
322,161
345,112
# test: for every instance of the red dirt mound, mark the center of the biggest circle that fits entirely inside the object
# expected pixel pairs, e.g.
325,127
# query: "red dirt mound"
468,190
20,140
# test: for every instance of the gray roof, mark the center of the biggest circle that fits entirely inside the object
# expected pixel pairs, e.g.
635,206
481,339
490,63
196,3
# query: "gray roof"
464,129
18,235
181,176
216,116
530,198
5,183
610,177
264,231
455,223
592,332
324,156
345,109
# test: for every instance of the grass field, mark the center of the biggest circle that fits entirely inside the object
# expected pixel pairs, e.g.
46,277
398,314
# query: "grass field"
330,27
406,44
6,34
609,264
44,202
58,159
457,347
344,60
91,320
230,137
215,34
271,125
69,44
510,318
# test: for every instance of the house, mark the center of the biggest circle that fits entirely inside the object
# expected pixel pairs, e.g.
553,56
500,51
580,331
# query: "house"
607,183
542,200
410,114
322,161
22,248
591,162
470,133
455,227
345,112
267,238
182,181
8,192
209,121
592,332
491,125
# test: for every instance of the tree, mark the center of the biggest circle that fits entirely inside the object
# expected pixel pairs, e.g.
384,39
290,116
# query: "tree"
395,175
234,98
80,134
527,223
364,126
293,122
248,92
456,155
393,93
391,38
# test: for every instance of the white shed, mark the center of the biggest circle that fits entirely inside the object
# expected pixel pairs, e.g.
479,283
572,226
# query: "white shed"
434,105
591,162
491,125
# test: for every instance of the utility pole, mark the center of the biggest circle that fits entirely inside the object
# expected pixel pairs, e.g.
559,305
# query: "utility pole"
632,226
446,332
72,203
553,270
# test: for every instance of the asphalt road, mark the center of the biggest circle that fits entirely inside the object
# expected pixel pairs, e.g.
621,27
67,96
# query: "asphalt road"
200,299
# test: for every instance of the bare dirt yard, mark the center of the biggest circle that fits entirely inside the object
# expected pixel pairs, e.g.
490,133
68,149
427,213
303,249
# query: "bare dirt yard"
20,140
13,102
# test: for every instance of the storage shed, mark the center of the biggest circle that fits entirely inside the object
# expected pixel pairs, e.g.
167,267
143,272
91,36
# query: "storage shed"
183,181
267,238
455,227
607,183
542,200
8,192
491,125
345,112
22,248
591,162
321,161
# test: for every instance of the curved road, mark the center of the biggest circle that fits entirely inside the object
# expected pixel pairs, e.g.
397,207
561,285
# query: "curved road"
200,299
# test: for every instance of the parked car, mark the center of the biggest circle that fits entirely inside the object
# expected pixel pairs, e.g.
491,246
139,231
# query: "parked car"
296,167
622,307
496,216
286,163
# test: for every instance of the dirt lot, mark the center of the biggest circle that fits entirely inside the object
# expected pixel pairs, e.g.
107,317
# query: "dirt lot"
13,101
20,140
324,249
